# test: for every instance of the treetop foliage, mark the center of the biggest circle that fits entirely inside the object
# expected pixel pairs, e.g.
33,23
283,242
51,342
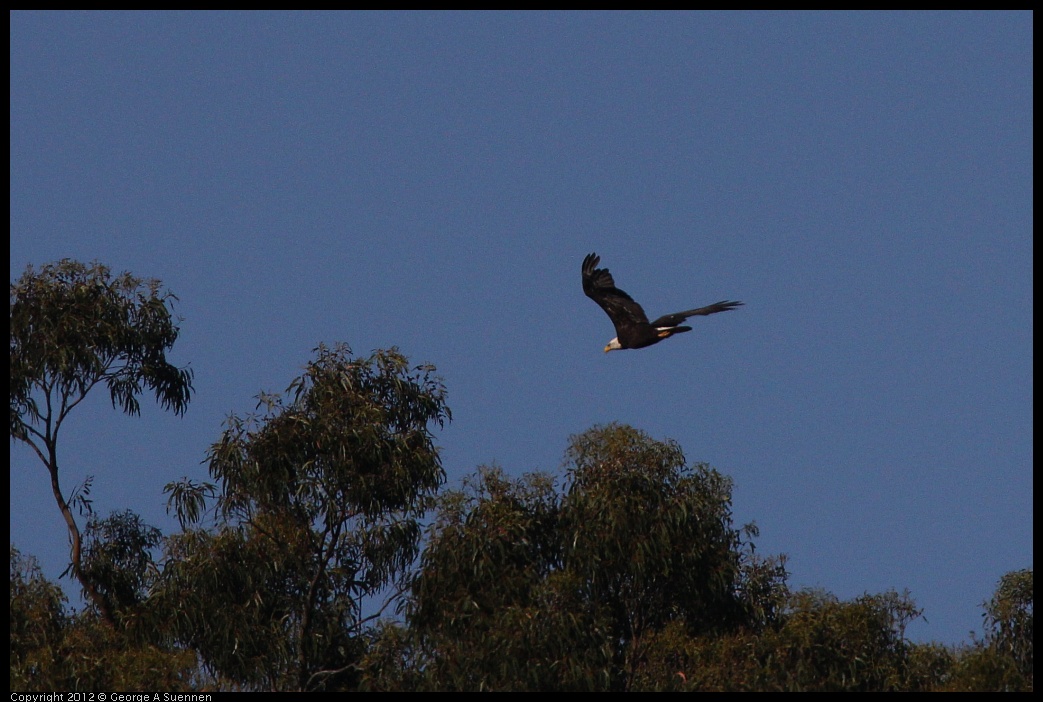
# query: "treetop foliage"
318,507
525,586
75,325
353,434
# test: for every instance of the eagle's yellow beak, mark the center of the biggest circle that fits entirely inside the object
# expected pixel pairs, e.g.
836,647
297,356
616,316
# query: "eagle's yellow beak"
608,347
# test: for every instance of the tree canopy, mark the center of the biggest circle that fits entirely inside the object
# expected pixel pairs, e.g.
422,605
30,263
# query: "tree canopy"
318,510
524,586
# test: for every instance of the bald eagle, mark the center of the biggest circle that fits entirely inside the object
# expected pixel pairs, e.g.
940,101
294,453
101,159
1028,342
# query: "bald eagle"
633,330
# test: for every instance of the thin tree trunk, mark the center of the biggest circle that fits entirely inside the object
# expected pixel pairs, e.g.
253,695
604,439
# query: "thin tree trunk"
75,541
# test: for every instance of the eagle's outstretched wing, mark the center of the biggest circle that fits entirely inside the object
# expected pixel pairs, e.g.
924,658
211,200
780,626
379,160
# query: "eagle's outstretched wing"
672,320
620,307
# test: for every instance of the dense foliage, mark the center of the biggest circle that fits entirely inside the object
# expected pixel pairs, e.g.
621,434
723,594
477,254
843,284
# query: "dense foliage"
523,586
319,510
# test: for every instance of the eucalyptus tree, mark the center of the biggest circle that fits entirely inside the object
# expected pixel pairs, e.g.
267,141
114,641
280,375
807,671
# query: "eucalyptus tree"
528,584
1001,661
319,501
56,648
74,327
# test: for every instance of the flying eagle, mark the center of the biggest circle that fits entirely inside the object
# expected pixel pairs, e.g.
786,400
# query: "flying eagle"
633,330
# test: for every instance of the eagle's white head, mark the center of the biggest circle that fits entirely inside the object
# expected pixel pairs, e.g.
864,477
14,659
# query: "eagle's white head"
613,345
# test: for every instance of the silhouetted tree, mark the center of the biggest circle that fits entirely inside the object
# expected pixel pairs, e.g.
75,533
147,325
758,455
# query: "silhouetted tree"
73,327
1002,660
54,648
524,587
318,508
38,618
817,643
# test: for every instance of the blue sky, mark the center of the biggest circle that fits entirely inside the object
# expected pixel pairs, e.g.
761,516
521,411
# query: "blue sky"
863,182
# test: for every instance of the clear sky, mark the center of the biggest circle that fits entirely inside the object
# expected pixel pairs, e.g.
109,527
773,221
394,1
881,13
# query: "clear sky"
862,181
